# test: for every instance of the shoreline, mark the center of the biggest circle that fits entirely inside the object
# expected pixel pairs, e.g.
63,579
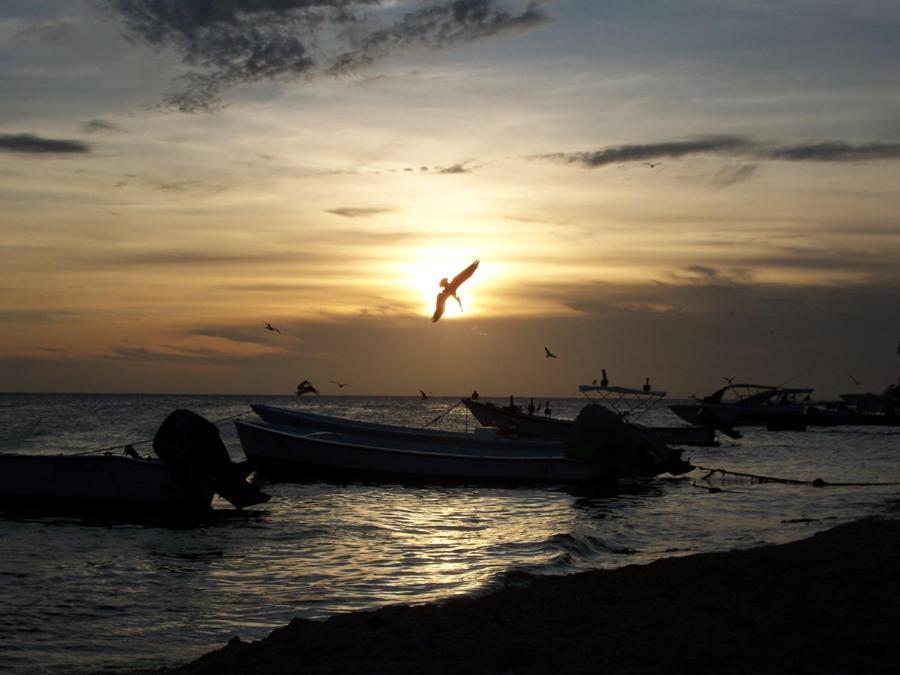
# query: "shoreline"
826,604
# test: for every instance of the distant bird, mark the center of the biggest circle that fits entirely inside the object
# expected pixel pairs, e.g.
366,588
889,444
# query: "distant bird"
729,380
449,288
340,385
855,381
646,386
424,395
306,387
652,164
548,354
474,395
605,380
271,327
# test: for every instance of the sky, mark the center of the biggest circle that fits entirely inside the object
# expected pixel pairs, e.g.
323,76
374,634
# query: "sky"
681,191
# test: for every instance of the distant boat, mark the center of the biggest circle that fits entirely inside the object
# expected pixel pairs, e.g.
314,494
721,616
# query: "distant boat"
784,408
514,420
295,443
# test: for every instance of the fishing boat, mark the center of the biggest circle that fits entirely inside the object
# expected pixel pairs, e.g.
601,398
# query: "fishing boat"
746,404
626,401
295,443
104,481
191,465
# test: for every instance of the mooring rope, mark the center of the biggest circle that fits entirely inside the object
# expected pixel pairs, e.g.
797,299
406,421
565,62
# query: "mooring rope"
818,482
446,412
150,440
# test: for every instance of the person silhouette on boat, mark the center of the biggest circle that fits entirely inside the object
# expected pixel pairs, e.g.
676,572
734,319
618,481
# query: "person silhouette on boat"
531,407
547,411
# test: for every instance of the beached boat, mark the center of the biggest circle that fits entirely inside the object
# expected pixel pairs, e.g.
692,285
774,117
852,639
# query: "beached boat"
514,420
105,481
290,442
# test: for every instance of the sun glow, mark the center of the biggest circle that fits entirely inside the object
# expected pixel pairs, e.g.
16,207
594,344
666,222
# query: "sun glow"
423,275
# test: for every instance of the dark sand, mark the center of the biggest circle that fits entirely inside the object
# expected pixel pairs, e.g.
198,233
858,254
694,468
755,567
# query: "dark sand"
828,604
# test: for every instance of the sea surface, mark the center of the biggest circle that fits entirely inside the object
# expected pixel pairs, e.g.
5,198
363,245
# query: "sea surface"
85,594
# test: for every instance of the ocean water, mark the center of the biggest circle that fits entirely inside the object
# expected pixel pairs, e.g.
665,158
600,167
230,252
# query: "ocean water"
85,594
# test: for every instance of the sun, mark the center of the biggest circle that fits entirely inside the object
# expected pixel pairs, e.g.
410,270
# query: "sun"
423,275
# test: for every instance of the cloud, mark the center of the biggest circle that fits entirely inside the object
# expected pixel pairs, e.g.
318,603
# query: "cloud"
732,175
730,146
354,212
228,44
98,125
29,144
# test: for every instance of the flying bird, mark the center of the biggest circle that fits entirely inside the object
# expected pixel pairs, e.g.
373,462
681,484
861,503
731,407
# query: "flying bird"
729,380
271,327
855,381
424,395
652,164
548,354
449,288
340,385
306,387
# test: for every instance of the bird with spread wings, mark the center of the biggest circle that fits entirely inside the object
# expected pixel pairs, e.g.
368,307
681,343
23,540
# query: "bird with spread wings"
449,288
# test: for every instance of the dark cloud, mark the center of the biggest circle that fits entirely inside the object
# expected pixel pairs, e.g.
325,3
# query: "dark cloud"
731,146
353,212
29,144
731,175
234,42
98,125
456,168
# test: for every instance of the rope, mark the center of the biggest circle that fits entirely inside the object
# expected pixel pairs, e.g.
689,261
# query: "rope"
436,419
818,482
150,440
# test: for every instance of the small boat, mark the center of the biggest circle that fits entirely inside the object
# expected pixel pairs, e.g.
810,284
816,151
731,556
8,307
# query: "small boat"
746,404
97,481
514,420
294,443
191,465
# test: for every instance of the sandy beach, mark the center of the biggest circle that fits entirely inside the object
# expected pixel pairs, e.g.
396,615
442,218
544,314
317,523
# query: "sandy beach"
826,604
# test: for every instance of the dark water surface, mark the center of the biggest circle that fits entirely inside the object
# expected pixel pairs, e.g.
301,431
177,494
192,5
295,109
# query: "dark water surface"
84,594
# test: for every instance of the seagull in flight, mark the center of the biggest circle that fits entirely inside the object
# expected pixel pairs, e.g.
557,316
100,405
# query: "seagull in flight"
340,385
306,387
729,380
548,354
424,395
652,164
271,327
449,288
855,381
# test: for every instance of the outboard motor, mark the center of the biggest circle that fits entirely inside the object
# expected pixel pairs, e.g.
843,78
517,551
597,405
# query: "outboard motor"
192,447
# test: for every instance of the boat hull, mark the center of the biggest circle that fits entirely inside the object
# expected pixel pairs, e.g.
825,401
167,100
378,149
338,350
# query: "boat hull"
274,449
96,481
774,419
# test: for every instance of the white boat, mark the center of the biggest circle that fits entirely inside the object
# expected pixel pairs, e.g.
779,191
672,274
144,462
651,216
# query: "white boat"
104,481
295,442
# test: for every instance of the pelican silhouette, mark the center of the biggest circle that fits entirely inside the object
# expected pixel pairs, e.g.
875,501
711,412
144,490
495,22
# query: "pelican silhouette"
549,354
340,385
646,386
306,387
271,327
652,164
605,380
424,395
449,288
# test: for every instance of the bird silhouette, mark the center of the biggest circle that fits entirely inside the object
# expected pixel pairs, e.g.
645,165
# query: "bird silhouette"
605,380
340,385
424,395
271,327
646,386
548,354
449,288
652,164
855,381
729,380
306,387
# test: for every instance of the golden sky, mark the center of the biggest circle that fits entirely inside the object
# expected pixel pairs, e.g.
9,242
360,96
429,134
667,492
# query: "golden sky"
173,178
